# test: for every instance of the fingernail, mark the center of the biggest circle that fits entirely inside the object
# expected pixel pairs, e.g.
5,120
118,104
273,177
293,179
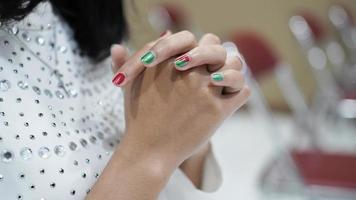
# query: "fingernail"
217,77
163,33
182,61
119,79
148,58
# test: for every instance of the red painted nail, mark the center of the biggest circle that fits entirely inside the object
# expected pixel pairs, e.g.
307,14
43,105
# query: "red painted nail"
119,79
163,33
185,58
182,61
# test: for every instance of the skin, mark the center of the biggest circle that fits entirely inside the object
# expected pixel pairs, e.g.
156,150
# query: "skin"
170,114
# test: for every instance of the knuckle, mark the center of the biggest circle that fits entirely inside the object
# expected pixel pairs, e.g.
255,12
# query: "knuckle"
201,51
163,46
235,78
211,103
192,75
244,95
212,37
189,36
235,62
222,50
193,79
247,92
239,77
166,43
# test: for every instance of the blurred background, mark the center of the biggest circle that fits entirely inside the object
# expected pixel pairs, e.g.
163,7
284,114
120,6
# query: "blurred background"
296,138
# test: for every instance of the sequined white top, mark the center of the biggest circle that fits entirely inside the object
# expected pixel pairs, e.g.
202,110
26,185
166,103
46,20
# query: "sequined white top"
60,116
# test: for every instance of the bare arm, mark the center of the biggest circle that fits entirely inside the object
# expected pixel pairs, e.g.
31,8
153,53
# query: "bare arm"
132,175
193,167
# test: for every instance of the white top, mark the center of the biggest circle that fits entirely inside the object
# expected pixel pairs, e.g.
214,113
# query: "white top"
61,118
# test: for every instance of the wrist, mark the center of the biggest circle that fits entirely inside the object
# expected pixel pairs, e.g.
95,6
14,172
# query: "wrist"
132,174
138,154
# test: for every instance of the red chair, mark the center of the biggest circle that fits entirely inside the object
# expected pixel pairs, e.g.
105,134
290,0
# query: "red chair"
341,18
320,50
343,21
258,54
305,168
263,60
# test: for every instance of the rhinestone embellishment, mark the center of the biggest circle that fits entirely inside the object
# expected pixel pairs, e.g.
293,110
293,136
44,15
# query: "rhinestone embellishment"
73,146
44,152
59,151
40,41
59,95
7,156
26,153
37,90
14,30
51,131
83,142
26,37
22,85
48,93
5,85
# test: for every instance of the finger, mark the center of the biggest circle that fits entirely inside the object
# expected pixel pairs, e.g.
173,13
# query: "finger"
119,55
232,63
168,47
201,55
133,66
232,51
236,100
209,39
232,80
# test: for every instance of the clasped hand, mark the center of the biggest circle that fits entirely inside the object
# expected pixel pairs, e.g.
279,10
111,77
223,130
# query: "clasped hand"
178,91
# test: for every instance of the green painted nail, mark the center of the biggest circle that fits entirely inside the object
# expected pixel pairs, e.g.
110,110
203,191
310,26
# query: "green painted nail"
148,58
180,63
217,77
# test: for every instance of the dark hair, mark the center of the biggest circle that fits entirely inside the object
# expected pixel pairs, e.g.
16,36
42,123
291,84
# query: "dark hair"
96,24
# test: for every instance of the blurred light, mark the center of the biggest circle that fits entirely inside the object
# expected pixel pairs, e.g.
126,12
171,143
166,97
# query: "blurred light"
335,53
347,108
353,38
317,58
338,16
300,28
159,19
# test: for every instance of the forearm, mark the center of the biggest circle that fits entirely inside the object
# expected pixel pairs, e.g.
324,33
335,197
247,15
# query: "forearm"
131,175
193,167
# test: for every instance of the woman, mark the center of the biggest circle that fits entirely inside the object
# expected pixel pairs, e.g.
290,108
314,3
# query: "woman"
61,118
